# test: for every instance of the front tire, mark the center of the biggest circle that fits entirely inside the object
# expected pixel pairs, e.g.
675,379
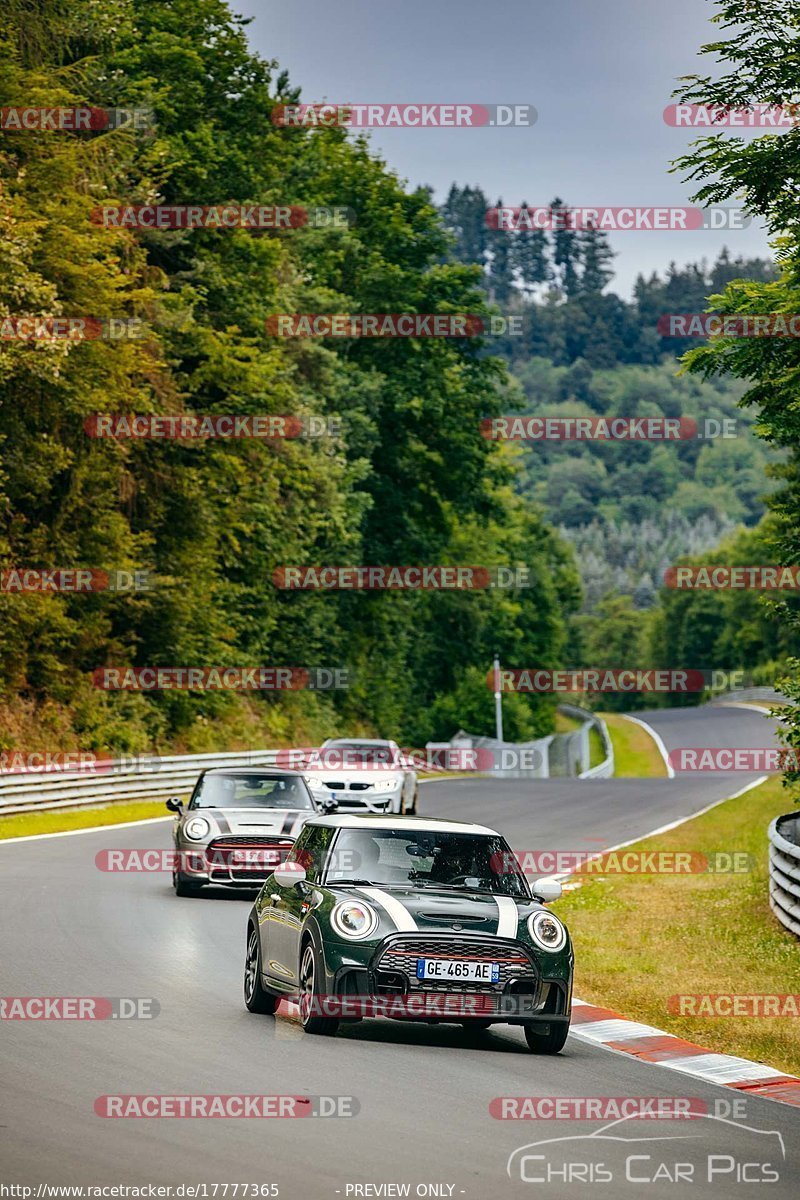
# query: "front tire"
310,976
182,885
547,1043
413,809
256,998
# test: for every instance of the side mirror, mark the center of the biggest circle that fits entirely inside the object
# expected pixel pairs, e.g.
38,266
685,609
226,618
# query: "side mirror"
288,874
174,805
547,889
329,805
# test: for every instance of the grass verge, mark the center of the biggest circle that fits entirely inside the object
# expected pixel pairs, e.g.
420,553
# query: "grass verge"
636,755
60,820
640,939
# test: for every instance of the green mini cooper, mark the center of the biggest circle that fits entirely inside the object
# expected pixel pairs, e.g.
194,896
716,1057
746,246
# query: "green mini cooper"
409,918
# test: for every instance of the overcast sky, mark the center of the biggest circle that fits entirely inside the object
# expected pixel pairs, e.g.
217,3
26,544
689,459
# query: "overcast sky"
599,73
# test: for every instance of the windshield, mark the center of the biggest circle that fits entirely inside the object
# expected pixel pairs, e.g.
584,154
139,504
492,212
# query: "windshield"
379,754
259,790
426,859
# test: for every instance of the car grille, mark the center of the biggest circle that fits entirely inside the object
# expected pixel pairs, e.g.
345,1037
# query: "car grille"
221,851
336,785
401,954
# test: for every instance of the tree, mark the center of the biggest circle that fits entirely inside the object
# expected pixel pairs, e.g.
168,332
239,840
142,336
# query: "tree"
761,51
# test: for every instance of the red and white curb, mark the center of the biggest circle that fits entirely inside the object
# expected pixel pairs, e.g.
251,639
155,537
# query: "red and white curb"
602,1027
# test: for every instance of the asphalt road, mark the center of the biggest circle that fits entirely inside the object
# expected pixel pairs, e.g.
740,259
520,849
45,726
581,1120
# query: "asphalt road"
423,1092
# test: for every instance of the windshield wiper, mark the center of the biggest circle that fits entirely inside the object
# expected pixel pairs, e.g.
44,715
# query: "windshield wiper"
351,883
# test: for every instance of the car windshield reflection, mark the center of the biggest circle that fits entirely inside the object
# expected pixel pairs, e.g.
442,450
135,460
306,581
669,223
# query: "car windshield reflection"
268,790
426,859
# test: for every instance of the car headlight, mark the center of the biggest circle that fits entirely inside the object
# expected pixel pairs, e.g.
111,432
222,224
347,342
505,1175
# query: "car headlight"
547,931
354,920
197,828
386,785
316,784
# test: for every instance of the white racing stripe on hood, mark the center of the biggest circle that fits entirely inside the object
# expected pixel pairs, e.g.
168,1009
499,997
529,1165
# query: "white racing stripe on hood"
398,912
508,919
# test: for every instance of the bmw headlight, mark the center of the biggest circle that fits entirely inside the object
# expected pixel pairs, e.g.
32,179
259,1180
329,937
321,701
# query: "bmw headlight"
316,784
547,931
386,785
196,828
354,920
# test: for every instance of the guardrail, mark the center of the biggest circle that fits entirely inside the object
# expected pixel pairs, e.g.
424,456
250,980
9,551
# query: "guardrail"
559,755
118,780
604,769
784,870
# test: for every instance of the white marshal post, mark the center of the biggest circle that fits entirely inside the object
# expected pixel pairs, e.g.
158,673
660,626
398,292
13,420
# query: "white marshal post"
498,700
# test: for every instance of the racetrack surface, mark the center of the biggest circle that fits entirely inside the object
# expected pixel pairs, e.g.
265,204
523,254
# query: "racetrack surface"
424,1091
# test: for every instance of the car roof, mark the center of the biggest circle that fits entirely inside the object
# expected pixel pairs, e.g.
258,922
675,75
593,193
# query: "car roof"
262,769
349,741
390,821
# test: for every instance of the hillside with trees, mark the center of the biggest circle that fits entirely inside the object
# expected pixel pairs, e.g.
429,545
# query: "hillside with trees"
408,480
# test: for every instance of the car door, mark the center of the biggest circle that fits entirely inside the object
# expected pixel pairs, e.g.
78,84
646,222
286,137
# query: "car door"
289,906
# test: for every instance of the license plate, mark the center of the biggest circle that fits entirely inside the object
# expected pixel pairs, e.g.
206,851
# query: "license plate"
255,858
334,796
455,968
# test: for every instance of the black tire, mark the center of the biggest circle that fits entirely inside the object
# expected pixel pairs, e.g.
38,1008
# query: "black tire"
547,1043
182,885
256,998
413,810
476,1030
309,976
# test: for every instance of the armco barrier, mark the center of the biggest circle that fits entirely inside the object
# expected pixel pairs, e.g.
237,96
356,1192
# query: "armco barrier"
604,769
123,779
564,755
784,870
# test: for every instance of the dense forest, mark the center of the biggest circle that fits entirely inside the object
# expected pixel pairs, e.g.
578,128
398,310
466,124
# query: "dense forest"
406,476
407,480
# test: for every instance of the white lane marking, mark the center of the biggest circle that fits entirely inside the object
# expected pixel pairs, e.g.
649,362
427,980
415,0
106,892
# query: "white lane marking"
508,918
662,749
723,1068
398,912
614,1030
37,837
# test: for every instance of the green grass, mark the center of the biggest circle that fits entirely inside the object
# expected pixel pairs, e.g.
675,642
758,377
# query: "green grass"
636,755
640,939
597,751
59,820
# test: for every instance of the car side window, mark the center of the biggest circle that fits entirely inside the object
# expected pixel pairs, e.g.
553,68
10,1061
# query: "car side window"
311,849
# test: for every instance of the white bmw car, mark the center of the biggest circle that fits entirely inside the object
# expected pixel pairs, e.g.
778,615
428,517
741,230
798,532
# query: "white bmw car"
363,775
